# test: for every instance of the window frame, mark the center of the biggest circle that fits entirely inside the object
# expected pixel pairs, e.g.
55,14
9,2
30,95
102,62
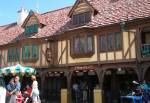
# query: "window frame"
103,35
121,41
109,44
30,51
12,54
31,29
80,54
82,18
114,47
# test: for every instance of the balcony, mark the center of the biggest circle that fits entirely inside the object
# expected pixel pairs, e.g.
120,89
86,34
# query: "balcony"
145,50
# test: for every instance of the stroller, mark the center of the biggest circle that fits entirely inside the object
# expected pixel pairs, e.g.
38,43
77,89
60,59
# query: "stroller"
19,97
26,95
26,98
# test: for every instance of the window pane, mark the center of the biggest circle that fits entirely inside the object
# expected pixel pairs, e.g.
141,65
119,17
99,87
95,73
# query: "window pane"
17,57
82,45
76,45
27,52
87,17
82,18
118,41
12,54
31,29
90,43
110,41
35,52
75,19
103,43
8,55
23,52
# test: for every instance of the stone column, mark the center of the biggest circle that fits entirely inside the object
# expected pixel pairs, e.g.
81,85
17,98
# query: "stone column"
99,91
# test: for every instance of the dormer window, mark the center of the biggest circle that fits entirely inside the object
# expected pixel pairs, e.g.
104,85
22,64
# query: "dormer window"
81,18
31,29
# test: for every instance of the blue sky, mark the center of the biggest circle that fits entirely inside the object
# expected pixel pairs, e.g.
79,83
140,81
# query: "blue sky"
9,8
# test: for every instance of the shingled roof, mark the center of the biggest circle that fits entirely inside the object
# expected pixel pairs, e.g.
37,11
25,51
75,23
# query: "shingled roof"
57,21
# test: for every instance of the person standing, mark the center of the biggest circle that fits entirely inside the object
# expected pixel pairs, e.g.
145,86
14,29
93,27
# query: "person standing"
10,98
2,90
145,88
17,83
35,90
75,93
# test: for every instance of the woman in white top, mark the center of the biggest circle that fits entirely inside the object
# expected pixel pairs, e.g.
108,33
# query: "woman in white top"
35,90
2,90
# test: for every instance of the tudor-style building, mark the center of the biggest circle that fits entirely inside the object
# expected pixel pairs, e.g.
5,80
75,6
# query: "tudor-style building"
100,44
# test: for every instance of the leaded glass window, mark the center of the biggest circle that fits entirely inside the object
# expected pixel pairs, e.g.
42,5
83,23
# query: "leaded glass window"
90,43
31,29
110,42
30,52
103,43
35,51
82,45
118,41
13,54
81,18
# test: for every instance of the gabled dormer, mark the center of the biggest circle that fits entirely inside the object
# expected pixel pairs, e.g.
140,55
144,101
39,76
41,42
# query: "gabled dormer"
81,13
32,24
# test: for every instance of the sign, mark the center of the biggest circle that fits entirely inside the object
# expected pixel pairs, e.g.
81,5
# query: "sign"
84,68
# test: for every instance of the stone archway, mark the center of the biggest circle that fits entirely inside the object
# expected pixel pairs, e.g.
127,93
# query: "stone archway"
117,82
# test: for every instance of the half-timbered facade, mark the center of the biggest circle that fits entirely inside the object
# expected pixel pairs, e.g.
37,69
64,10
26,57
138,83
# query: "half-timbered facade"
95,44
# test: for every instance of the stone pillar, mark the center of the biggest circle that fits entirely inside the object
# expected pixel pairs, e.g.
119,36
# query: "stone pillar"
64,97
98,92
97,96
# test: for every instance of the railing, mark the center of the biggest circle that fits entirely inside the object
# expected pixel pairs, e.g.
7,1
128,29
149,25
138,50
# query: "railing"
145,50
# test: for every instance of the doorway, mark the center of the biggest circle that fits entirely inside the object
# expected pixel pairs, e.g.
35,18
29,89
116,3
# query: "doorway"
82,86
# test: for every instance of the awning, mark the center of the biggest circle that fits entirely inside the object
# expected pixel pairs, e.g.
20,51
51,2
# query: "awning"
17,69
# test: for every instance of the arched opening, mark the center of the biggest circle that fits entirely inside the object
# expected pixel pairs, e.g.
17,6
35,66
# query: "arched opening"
147,76
82,85
54,82
118,82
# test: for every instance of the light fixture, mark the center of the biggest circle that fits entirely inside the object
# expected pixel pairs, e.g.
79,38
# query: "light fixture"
91,70
61,72
84,71
119,69
77,71
122,25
